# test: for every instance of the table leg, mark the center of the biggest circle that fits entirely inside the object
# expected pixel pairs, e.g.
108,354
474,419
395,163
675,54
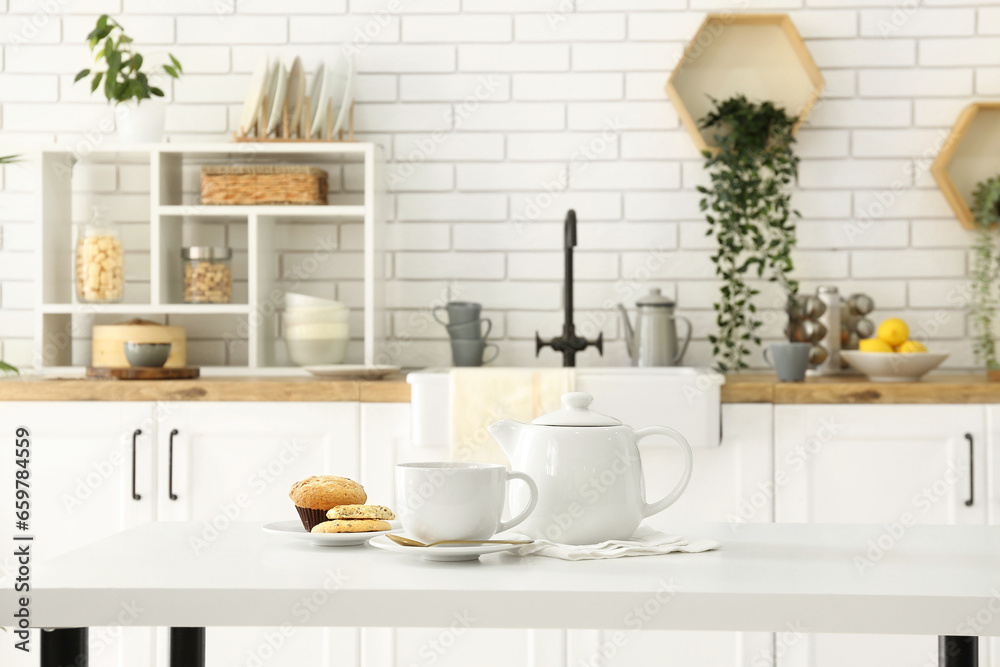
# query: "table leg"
958,651
187,647
65,647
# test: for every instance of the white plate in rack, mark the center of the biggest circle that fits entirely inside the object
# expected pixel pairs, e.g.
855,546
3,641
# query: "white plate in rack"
258,86
352,371
294,530
277,90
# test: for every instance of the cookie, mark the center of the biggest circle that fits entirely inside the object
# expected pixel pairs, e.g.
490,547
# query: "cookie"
351,526
361,512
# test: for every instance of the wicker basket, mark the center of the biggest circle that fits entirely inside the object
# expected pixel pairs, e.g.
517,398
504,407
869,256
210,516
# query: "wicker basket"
273,184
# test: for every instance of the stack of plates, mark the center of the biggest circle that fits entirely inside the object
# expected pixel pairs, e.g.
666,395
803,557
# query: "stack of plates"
329,96
316,330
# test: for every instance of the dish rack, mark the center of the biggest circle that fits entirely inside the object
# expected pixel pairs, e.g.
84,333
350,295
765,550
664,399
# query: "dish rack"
285,133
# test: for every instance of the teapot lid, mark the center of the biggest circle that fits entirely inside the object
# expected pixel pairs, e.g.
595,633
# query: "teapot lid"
576,412
655,298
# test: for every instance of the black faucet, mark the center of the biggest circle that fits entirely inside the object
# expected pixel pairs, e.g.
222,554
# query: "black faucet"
569,343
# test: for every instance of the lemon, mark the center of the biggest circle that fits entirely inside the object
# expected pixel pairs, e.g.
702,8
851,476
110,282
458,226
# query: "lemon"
911,346
893,331
873,345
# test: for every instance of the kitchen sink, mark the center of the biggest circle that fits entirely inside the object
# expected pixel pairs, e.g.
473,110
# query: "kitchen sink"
684,398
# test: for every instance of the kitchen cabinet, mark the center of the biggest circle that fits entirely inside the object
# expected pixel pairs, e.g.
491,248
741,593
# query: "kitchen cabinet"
224,462
81,491
892,466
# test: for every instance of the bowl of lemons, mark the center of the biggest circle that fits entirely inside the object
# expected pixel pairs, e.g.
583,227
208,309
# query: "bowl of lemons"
891,356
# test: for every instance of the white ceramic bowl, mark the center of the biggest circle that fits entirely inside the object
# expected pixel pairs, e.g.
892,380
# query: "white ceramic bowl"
893,366
317,331
298,316
296,300
316,351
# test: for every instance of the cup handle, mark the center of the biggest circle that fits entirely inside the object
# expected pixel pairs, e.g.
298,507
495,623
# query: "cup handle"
649,509
489,327
496,353
767,357
513,474
434,314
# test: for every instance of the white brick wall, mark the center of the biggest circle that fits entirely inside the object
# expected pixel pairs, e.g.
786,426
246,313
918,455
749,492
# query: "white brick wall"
542,105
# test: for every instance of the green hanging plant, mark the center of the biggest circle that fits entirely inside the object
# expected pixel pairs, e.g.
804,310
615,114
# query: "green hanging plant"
985,269
748,208
124,78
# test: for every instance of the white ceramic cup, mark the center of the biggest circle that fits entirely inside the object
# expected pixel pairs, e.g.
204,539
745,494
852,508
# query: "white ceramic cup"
456,501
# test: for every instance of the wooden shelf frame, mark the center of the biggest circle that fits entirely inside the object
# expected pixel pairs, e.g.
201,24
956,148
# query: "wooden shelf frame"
970,154
761,56
55,301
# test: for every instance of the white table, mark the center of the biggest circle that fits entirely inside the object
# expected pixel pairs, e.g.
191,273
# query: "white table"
825,578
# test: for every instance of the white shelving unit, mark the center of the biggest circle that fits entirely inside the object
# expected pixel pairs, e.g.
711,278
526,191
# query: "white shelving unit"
173,203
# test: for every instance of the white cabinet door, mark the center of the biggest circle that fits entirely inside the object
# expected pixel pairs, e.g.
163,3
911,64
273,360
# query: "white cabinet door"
235,461
993,500
81,491
729,483
888,465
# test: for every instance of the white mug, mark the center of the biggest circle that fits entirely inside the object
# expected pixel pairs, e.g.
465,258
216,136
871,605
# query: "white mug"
456,501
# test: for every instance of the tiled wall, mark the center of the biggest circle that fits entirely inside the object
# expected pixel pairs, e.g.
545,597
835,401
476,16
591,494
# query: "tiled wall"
489,107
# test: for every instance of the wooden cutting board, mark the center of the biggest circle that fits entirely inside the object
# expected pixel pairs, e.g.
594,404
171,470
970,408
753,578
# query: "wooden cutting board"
107,345
105,373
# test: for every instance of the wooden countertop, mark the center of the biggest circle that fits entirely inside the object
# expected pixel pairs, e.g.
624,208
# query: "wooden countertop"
393,389
855,389
739,388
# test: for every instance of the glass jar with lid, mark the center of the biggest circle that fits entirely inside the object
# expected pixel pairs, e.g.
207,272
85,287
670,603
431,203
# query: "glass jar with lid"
100,261
208,276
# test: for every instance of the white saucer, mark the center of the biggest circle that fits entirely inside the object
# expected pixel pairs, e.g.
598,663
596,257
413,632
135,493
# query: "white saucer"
294,530
359,371
448,554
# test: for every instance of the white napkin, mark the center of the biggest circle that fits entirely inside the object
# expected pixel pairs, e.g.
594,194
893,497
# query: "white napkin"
644,542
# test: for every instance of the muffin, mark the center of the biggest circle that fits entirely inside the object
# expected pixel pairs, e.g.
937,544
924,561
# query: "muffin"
316,495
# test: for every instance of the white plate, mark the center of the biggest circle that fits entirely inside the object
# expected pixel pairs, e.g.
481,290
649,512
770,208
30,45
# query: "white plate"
320,97
454,553
315,91
338,69
893,366
295,531
348,99
295,94
359,371
276,96
258,85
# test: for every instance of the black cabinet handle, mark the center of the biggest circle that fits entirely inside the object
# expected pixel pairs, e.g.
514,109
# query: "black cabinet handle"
170,467
972,471
135,434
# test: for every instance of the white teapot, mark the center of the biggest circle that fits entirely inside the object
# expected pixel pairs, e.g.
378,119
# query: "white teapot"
588,471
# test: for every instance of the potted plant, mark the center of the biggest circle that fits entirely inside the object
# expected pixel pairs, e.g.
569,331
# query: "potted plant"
985,269
126,84
748,208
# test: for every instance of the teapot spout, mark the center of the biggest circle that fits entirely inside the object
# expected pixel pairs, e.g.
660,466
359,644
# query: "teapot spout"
505,433
629,333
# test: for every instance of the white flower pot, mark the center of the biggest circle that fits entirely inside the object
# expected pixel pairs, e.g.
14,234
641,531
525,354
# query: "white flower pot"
140,123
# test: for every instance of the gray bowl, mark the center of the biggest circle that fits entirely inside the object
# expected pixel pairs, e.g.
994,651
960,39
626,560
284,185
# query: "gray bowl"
147,355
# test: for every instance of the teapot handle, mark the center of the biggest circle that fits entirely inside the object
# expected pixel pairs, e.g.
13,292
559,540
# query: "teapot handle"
649,509
687,339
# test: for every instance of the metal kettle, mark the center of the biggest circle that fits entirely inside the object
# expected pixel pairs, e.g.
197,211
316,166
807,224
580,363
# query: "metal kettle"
653,341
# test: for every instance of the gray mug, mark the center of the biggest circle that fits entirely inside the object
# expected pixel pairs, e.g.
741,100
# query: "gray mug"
459,312
470,330
466,353
790,360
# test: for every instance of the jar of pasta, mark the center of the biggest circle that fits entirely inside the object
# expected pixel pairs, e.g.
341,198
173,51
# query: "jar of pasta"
208,276
100,262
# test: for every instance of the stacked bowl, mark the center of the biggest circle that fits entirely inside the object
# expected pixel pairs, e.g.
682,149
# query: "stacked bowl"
316,331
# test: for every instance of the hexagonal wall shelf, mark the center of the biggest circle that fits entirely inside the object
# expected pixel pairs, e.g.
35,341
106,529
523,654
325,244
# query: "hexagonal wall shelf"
761,56
970,154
